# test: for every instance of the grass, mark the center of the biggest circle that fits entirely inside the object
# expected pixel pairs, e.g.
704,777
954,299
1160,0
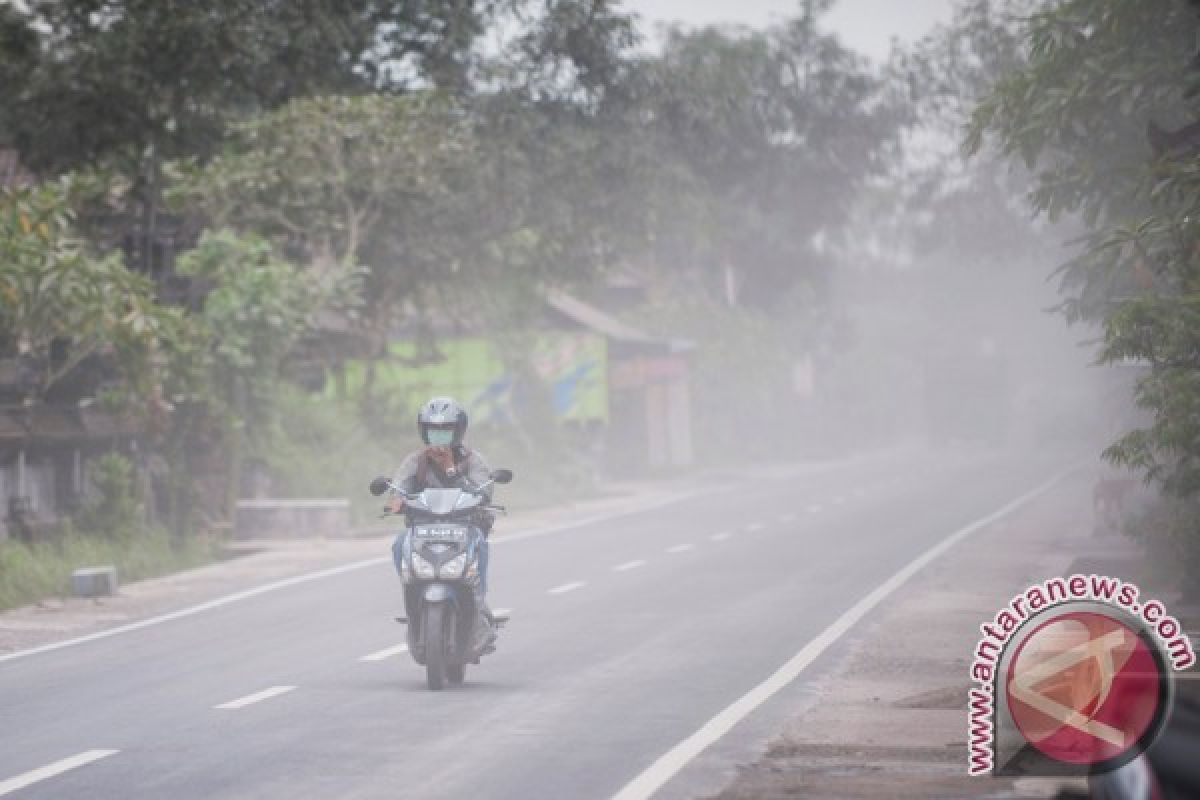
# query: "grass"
30,573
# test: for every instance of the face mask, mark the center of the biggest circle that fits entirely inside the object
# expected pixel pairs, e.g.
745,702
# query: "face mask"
440,437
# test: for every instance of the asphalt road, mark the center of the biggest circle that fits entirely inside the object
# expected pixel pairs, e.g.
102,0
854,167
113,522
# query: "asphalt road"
628,635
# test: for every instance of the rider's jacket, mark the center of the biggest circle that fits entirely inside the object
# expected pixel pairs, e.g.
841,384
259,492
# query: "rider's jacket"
419,472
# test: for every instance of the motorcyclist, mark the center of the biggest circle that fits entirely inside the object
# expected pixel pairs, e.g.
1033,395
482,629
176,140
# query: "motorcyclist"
444,463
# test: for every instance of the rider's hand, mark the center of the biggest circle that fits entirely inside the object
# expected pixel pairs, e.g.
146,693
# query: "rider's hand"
443,457
395,505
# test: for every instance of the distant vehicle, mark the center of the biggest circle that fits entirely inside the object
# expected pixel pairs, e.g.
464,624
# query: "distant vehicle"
440,572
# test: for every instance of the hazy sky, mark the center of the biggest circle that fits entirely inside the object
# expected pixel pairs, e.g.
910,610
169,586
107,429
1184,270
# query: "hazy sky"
866,25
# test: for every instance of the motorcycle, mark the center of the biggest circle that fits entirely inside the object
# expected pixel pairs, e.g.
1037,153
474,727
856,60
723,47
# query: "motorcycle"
438,558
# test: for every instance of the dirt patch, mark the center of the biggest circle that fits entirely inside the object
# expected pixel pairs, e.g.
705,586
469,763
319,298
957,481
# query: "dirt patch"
951,698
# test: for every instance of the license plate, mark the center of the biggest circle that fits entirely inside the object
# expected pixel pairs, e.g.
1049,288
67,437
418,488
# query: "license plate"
441,534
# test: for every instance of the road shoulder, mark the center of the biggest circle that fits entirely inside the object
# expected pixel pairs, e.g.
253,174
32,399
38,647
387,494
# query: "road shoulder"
263,563
890,719
266,562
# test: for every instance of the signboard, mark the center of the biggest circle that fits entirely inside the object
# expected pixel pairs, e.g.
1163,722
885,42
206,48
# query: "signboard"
573,365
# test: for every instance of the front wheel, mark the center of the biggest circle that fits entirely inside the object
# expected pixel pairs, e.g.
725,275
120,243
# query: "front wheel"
436,644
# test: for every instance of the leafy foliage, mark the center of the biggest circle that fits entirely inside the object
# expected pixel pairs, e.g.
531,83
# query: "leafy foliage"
112,508
310,138
1100,74
116,78
342,181
765,139
256,311
60,305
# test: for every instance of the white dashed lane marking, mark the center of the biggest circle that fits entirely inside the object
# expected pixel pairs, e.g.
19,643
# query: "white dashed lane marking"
567,587
787,517
388,653
679,548
670,763
755,526
813,509
629,565
719,537
837,501
50,770
257,697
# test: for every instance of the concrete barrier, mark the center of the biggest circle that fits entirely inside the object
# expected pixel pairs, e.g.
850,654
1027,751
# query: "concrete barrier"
292,518
94,582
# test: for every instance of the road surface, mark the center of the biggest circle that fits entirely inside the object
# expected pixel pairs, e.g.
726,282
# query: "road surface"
628,636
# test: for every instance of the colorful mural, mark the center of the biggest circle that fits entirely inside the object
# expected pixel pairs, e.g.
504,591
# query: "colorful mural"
574,365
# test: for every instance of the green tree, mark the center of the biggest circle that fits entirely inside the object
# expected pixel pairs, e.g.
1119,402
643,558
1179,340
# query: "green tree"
134,83
258,309
765,139
112,510
341,181
60,305
89,81
1104,114
564,52
454,207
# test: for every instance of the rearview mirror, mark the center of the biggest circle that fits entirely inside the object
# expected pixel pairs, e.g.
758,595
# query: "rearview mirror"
502,475
379,486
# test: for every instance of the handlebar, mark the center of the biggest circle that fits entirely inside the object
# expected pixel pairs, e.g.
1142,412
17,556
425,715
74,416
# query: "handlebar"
477,490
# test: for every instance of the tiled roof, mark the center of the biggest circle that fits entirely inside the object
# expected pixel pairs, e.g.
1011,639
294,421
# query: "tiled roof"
61,424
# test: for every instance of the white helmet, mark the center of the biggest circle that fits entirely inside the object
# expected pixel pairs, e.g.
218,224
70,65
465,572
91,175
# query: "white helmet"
442,422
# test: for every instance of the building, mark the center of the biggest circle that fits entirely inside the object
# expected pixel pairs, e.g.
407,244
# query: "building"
624,394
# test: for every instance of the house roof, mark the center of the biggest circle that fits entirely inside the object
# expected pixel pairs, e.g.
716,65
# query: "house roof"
61,424
588,316
594,319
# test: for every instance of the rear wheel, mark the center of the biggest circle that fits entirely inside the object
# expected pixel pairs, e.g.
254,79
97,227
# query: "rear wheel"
436,645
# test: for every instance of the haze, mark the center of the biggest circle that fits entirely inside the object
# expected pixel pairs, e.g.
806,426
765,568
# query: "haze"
605,401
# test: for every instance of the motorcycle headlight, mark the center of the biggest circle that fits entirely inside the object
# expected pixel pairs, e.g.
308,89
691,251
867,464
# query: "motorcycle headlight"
454,567
422,568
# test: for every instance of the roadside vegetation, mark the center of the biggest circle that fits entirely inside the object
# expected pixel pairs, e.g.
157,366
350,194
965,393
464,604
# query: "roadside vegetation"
110,529
1102,113
285,188
346,195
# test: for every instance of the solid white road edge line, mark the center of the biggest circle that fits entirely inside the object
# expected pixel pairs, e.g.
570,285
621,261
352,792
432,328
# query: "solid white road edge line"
50,770
387,653
567,587
629,565
670,763
198,609
238,597
257,697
